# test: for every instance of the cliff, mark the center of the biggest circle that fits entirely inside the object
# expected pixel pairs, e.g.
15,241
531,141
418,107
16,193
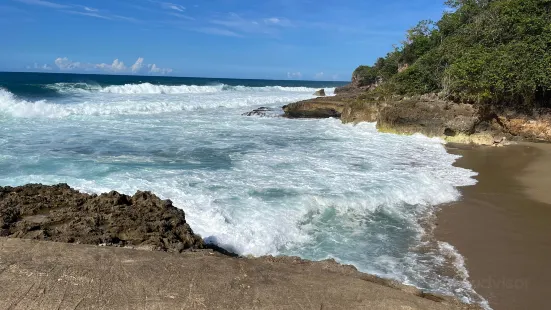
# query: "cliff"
481,74
428,115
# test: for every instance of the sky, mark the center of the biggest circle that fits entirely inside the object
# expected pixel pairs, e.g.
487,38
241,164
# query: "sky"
271,39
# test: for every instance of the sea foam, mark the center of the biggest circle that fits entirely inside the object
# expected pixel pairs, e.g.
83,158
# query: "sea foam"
313,188
148,88
137,99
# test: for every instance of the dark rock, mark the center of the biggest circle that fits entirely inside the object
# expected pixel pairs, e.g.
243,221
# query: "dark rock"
320,93
263,112
59,213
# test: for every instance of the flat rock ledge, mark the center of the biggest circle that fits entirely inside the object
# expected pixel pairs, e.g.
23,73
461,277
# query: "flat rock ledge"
176,272
428,115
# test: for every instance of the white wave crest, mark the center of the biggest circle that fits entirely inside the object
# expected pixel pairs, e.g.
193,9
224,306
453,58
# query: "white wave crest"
10,105
99,104
148,88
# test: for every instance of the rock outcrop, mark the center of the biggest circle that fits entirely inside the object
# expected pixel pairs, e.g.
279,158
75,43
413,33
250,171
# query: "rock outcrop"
431,116
320,93
315,108
62,214
356,87
262,112
536,128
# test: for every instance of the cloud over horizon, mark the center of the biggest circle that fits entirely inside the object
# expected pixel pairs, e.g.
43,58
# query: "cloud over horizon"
116,67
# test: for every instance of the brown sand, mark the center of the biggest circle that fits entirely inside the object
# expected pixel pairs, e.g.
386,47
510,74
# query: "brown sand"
502,226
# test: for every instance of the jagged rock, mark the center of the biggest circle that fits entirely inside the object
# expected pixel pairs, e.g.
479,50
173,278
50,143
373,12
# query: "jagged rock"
60,213
355,87
535,128
320,93
434,118
263,112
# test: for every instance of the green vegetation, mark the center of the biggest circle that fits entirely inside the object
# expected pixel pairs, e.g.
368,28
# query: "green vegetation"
481,51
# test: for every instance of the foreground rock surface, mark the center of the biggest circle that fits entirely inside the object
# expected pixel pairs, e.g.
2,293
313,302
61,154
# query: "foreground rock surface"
60,213
47,275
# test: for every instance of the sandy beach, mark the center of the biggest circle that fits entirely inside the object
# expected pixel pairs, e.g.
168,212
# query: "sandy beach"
501,225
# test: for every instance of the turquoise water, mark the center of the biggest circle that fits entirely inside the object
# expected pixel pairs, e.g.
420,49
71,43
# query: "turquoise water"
254,185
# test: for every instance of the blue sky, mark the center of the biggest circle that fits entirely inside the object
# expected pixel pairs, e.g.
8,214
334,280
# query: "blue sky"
274,39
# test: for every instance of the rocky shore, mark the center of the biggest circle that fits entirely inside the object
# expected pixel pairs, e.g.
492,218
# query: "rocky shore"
429,115
62,214
73,273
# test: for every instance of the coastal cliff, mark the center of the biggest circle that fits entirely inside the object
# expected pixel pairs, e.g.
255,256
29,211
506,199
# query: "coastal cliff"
481,74
431,116
35,275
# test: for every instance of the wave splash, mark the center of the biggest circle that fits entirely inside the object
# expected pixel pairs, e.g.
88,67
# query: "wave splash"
135,99
13,106
148,88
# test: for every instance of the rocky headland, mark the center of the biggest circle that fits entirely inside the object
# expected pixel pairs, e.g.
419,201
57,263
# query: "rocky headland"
428,114
465,78
74,273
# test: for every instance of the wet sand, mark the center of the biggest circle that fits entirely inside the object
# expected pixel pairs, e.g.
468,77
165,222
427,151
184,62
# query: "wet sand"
502,226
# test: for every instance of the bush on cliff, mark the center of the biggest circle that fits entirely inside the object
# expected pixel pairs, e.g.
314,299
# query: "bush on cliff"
482,51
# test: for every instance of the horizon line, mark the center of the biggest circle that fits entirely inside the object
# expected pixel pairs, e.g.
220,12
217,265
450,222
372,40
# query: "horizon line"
172,76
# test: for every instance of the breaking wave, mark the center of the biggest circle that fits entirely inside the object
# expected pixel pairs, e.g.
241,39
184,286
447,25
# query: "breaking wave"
107,102
148,88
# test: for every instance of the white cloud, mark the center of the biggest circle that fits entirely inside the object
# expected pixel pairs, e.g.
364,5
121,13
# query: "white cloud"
294,75
153,69
319,75
43,67
238,24
181,16
89,13
172,6
117,66
77,10
48,4
66,64
218,31
273,20
137,66
277,21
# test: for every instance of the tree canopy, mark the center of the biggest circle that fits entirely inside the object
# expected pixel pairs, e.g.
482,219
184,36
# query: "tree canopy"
480,51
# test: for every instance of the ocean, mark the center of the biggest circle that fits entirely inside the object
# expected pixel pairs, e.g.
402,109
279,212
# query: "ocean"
317,189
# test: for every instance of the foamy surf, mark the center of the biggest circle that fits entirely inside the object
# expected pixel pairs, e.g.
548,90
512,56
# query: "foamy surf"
123,100
149,88
313,188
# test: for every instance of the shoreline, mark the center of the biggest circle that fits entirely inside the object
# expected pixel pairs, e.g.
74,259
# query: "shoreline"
501,225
